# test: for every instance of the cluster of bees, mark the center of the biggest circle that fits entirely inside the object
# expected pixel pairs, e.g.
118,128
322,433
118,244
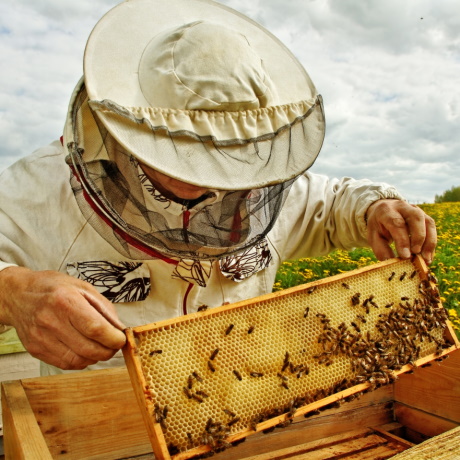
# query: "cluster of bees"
394,342
400,331
215,435
197,395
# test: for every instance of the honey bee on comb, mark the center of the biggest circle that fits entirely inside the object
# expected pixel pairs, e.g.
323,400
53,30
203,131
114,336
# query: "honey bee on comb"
237,375
214,354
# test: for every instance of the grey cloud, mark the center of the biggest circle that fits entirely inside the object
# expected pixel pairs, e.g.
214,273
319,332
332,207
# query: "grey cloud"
388,78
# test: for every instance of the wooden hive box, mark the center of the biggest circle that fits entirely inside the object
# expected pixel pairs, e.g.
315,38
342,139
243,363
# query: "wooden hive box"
96,414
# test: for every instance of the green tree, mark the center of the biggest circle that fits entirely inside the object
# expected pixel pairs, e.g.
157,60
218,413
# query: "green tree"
448,196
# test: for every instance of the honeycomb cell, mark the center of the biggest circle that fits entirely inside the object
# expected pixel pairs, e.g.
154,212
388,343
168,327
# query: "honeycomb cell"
222,373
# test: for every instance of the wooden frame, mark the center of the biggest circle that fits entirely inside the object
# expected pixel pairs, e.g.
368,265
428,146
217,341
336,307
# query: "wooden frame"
95,415
146,398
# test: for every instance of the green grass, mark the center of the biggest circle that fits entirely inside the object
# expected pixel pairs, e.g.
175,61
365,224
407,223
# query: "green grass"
445,266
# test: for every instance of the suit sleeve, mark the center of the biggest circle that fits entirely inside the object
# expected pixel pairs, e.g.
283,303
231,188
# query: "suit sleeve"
322,214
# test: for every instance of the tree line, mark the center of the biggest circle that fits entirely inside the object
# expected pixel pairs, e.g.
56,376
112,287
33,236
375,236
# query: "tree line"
449,195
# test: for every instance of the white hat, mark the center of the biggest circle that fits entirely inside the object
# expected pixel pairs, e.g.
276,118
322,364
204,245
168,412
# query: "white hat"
203,94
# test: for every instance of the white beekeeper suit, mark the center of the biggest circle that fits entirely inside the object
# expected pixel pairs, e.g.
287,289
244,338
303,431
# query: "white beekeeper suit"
205,96
43,229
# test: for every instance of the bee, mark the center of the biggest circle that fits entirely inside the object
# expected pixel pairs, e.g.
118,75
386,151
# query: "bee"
202,393
197,376
305,313
237,375
209,424
211,367
361,317
285,366
356,326
190,440
190,382
197,398
158,412
253,424
345,285
214,354
391,276
285,423
404,298
355,299
286,357
229,412
311,290
233,421
229,329
403,275
311,413
251,329
303,370
188,393
285,385
413,274
256,374
159,415
389,305
350,398
281,376
202,308
334,405
206,438
173,449
155,352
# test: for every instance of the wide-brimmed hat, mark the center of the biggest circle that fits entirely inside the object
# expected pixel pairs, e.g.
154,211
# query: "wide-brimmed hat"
202,93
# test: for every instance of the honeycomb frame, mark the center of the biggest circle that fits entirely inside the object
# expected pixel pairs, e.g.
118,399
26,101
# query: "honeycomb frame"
207,380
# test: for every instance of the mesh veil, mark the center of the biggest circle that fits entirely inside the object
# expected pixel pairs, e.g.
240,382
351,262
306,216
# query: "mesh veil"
112,195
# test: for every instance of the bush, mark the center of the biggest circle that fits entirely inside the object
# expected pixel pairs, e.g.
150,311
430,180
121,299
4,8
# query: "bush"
448,196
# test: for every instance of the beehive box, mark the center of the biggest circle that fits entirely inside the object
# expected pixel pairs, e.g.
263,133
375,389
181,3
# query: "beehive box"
94,415
208,380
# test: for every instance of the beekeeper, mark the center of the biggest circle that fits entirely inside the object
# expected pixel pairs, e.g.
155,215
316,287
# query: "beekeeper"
181,180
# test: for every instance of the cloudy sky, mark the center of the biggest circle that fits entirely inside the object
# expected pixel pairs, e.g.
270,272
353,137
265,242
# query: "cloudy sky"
388,70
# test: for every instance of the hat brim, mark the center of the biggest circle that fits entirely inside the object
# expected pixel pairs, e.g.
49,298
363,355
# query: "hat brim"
111,64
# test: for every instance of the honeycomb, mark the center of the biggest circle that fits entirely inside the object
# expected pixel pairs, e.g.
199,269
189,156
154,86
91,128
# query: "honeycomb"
213,374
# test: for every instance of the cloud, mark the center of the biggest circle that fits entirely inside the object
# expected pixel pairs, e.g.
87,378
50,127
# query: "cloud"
388,74
387,71
41,49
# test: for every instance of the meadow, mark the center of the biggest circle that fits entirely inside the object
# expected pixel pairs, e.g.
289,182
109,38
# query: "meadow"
445,266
